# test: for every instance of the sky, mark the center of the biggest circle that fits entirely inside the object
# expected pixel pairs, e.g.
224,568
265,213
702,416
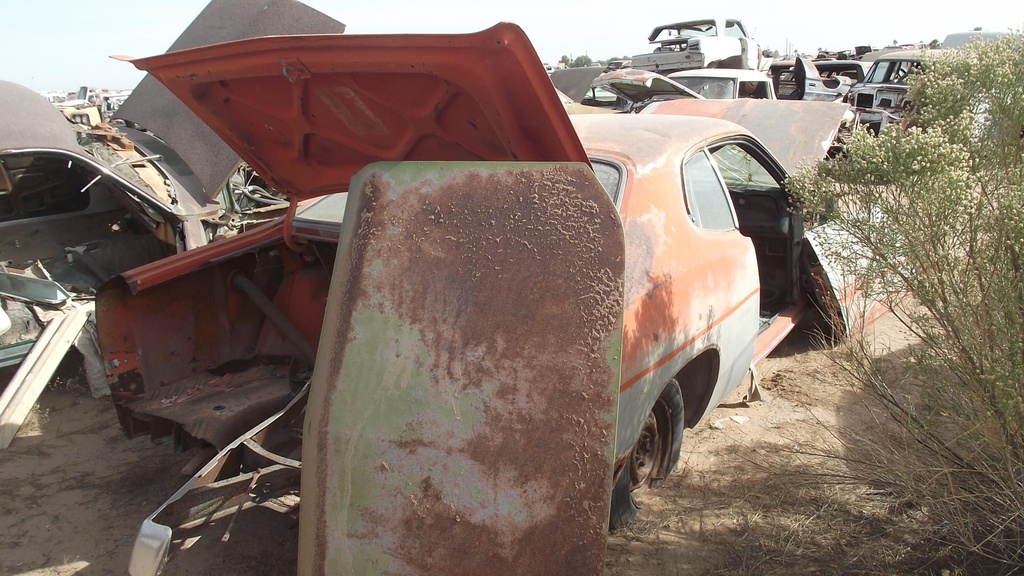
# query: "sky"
62,44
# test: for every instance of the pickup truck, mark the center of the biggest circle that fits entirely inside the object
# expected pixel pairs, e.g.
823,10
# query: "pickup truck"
490,326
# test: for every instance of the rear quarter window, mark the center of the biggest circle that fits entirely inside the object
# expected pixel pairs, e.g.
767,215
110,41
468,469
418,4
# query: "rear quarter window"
609,175
707,198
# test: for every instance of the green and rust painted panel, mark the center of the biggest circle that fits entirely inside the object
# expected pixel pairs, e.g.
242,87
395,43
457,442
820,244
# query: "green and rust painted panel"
462,410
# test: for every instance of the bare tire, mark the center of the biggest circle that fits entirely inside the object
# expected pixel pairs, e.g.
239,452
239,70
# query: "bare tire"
652,458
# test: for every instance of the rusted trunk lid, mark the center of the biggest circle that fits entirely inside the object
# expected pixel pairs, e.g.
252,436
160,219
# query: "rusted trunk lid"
308,112
462,417
202,153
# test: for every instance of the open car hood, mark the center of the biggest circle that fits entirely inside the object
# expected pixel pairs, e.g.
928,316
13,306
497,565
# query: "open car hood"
199,153
795,132
640,85
575,82
30,122
308,112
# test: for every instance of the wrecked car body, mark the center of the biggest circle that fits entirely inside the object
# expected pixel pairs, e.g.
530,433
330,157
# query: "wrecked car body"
853,70
881,98
282,256
68,219
194,343
82,200
711,43
802,80
634,89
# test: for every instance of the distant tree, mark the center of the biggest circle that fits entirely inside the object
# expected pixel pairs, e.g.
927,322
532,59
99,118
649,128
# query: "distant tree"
581,62
564,60
934,44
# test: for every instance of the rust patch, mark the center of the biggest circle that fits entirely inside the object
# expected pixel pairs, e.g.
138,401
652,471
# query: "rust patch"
217,408
525,290
349,267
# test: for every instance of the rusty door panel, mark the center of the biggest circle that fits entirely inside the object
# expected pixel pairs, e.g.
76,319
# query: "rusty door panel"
462,414
849,304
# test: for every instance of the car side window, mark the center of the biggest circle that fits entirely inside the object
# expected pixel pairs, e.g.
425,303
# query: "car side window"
741,171
753,89
610,177
706,196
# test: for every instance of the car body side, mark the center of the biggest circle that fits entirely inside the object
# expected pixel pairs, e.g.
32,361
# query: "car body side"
689,292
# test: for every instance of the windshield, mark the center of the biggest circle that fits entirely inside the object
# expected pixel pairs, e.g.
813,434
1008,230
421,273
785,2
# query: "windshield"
892,71
714,88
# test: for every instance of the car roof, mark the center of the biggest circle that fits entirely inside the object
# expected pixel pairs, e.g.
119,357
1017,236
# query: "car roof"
648,139
959,39
913,54
820,64
720,23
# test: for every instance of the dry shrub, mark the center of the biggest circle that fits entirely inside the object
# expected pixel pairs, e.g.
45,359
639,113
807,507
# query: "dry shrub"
937,213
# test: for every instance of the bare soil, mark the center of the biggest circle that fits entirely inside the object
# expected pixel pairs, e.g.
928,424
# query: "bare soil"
746,500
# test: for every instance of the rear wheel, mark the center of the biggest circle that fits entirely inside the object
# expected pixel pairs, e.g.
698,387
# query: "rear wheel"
652,458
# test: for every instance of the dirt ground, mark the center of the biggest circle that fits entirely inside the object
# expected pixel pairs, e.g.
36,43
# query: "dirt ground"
74,489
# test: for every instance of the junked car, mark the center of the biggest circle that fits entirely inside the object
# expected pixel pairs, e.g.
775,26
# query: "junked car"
634,89
82,200
711,43
880,99
298,337
854,70
802,79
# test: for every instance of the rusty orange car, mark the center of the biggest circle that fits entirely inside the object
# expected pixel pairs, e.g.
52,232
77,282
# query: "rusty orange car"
491,326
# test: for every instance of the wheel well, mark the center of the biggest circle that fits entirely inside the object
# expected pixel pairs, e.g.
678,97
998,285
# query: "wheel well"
696,381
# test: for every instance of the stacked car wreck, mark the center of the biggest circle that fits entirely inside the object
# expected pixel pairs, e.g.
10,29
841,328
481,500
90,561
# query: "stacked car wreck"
711,43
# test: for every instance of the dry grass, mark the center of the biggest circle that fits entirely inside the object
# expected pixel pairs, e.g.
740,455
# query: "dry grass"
834,501
795,512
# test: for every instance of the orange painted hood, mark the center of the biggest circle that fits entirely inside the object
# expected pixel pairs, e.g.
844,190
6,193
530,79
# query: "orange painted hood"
796,132
308,112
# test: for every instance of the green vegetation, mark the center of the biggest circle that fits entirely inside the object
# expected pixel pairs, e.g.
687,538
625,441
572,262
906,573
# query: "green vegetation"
578,62
938,208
